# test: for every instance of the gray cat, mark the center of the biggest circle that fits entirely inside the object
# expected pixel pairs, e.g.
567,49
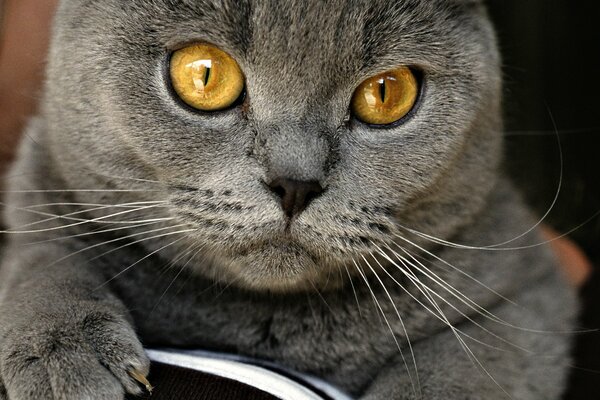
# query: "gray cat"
326,196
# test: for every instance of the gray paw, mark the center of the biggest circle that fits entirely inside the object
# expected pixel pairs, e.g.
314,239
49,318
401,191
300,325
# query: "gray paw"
91,357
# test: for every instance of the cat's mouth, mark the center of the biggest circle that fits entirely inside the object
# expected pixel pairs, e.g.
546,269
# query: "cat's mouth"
280,254
281,262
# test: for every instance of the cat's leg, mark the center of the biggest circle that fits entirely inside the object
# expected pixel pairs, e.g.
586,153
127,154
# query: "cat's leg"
444,373
63,335
529,362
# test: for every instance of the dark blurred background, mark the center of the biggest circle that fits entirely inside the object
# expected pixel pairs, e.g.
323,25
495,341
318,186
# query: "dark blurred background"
551,54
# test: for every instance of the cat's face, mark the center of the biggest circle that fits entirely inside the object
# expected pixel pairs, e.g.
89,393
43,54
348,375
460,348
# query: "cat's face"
110,107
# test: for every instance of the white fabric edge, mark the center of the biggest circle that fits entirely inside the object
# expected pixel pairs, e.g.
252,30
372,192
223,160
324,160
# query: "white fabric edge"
260,378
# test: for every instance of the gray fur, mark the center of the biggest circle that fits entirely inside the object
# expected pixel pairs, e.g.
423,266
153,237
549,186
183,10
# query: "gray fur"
68,311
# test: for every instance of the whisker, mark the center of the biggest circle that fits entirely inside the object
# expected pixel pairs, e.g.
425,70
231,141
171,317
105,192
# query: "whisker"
498,246
321,296
491,248
469,352
97,232
445,285
81,191
132,204
551,132
419,285
418,384
229,284
122,238
98,220
353,290
558,189
548,211
388,325
487,314
126,178
144,240
140,260
492,316
195,253
456,269
188,250
460,340
69,216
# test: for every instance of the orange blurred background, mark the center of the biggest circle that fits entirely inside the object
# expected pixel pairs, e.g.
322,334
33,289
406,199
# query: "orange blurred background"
25,26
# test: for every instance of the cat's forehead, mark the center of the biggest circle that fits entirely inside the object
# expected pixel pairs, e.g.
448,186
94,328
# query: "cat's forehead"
308,24
275,23
304,36
264,29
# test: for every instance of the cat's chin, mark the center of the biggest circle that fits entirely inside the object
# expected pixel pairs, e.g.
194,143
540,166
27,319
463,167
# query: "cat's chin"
277,267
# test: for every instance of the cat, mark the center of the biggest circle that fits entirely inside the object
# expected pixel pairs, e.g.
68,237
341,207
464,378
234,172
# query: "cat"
332,203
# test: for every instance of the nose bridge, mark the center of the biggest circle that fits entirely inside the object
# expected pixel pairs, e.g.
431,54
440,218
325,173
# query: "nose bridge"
293,151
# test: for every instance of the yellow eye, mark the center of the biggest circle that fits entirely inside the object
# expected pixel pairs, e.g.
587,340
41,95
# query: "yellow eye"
205,77
387,97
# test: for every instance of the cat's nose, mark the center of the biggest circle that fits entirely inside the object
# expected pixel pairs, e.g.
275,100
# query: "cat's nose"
295,195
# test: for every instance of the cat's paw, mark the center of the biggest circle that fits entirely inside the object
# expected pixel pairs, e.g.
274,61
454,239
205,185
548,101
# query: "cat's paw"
95,357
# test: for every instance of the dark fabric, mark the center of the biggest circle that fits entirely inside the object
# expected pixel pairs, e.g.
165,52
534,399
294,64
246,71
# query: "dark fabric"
174,383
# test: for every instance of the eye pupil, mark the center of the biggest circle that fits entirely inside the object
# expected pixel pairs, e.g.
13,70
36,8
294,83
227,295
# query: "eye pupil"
207,75
382,90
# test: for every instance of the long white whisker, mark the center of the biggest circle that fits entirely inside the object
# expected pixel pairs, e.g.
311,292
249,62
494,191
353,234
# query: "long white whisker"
468,350
144,240
195,253
491,317
96,232
456,269
497,246
321,296
69,216
126,178
490,248
122,238
139,261
419,266
388,325
476,323
131,204
558,189
188,250
461,341
353,290
419,285
412,353
81,191
102,219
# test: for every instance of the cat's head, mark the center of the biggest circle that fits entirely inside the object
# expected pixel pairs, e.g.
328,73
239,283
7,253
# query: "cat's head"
285,185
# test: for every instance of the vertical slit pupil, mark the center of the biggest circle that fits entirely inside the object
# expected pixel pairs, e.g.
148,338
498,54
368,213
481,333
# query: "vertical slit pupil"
382,90
206,75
